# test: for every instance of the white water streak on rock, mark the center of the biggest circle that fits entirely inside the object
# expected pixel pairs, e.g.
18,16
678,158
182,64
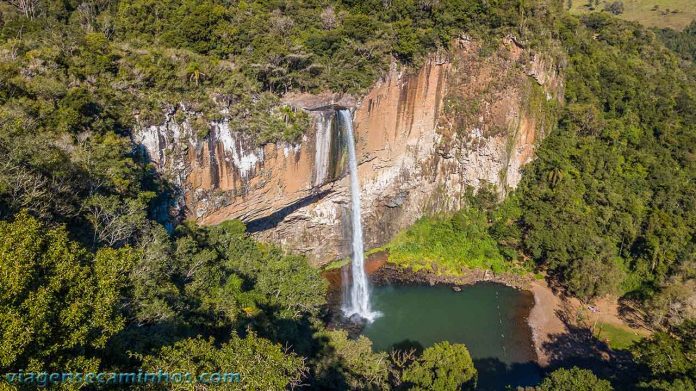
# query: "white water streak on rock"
322,147
245,156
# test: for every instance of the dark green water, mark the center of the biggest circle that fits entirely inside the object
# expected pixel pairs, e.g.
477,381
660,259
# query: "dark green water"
490,319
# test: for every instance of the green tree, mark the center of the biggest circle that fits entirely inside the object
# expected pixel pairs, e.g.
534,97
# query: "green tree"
606,205
260,364
574,379
682,42
281,280
442,367
615,7
194,25
669,358
59,304
344,363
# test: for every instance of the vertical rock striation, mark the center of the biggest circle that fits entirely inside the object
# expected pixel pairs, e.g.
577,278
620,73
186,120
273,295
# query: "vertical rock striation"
421,139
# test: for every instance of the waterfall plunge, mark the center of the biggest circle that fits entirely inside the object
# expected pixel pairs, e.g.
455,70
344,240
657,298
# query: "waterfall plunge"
358,302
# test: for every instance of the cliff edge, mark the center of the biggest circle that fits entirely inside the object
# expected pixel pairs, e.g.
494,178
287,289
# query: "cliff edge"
464,119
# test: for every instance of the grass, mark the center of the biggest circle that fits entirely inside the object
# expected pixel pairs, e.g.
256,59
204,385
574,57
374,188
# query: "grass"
450,246
675,14
337,264
618,337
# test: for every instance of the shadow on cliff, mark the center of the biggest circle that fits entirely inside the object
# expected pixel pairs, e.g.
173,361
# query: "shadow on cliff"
165,207
272,220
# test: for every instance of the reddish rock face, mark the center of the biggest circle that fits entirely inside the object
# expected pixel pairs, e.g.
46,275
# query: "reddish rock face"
422,138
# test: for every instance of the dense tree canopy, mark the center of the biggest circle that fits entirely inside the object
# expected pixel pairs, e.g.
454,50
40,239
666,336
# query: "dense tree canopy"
574,379
92,280
443,366
668,360
682,42
261,364
59,304
609,203
346,364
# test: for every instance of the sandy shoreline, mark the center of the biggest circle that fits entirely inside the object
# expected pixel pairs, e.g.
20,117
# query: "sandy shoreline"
544,318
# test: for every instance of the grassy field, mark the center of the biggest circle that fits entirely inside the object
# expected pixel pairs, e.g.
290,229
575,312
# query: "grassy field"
676,14
617,337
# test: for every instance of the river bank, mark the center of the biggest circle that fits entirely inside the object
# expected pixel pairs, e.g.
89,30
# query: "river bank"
562,328
382,273
543,318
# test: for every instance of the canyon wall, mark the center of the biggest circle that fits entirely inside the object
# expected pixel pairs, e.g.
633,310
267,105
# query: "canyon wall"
462,120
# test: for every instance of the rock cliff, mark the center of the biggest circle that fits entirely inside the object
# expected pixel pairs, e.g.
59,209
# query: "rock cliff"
463,119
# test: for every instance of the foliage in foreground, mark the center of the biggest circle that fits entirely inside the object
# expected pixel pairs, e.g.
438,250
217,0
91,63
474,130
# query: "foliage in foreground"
668,359
64,306
443,366
59,304
574,379
260,364
347,364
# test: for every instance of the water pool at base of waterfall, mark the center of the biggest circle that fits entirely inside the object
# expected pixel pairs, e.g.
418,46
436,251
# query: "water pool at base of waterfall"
490,319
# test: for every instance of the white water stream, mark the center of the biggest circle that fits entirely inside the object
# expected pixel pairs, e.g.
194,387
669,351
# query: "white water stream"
358,302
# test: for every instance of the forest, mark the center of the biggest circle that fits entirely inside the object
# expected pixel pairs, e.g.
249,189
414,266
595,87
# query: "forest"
93,279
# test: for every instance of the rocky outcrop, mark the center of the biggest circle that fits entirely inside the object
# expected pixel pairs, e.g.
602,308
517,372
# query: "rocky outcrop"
422,138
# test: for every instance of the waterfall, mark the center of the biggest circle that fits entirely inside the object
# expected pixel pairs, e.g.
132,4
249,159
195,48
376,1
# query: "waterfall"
359,299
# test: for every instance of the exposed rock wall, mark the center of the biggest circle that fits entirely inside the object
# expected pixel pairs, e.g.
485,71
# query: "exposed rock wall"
421,138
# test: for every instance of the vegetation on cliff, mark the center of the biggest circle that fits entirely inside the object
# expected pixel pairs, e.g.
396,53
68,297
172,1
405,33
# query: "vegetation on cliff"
483,235
608,205
107,65
92,281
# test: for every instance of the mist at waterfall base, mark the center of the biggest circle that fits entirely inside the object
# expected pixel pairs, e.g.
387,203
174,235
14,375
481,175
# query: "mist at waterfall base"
490,319
357,298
